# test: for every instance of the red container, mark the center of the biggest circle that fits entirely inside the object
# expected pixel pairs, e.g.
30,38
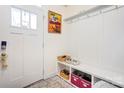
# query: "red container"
85,84
79,82
75,80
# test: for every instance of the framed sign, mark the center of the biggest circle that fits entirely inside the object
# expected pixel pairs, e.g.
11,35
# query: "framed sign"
54,22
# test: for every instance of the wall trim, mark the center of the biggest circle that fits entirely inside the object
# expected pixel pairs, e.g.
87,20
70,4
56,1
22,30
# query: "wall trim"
46,76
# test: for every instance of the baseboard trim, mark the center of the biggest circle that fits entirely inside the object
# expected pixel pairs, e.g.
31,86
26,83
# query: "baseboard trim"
46,76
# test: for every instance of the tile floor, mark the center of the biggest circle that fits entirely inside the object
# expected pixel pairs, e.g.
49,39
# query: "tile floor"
54,82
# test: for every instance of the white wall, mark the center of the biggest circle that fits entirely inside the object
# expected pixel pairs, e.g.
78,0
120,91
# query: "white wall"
98,40
58,44
54,44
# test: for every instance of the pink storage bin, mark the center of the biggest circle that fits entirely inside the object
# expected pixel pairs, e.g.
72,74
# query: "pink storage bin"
79,82
85,84
75,80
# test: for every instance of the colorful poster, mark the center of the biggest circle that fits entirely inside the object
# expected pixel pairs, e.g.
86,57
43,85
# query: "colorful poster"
54,22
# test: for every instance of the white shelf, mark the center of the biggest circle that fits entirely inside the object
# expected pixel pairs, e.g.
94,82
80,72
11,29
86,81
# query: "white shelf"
64,63
87,13
100,7
112,77
70,66
63,78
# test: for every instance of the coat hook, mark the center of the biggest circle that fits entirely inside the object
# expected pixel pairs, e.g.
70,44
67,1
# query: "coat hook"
78,19
100,11
88,15
71,21
116,6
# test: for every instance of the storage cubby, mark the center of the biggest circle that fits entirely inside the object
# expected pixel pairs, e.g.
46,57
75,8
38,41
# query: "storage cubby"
85,76
80,79
64,71
95,80
100,83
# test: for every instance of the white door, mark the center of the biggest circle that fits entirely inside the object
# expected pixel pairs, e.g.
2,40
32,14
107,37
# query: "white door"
24,48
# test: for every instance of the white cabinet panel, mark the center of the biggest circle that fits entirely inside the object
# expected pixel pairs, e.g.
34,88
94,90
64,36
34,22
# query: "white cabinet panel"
99,40
113,52
86,37
74,39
